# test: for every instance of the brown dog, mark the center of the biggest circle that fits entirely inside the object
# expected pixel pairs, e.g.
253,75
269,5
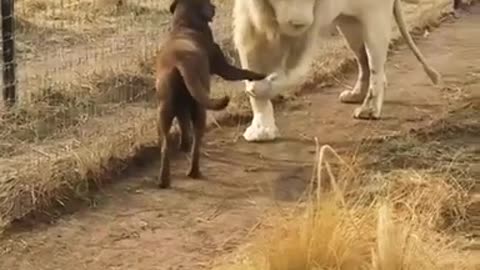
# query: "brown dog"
183,67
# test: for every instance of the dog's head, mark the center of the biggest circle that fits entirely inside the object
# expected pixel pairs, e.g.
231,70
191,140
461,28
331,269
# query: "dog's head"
204,8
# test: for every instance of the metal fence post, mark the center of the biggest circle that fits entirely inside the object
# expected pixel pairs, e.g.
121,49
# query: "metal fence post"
8,43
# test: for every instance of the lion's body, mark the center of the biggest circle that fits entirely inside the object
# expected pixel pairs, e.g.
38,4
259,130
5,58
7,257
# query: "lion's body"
280,36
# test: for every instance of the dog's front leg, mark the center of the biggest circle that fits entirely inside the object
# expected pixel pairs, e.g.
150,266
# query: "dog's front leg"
229,72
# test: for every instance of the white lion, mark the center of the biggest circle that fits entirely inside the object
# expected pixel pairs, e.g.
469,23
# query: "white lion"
278,37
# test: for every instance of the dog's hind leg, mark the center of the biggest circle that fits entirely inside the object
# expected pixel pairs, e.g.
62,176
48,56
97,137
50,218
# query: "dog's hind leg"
199,119
164,124
184,123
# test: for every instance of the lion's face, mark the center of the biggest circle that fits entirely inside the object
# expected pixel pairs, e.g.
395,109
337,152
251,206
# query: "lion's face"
294,17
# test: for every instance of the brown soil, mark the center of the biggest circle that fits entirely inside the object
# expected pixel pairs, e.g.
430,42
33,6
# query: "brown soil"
133,225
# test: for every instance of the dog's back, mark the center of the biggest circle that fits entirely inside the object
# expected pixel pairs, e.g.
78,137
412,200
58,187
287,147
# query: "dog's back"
183,70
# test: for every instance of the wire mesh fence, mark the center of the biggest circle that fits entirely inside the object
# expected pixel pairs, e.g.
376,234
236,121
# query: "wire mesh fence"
78,60
8,53
74,59
60,40
84,86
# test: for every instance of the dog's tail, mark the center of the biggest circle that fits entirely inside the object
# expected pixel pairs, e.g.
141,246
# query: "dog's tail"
434,76
197,81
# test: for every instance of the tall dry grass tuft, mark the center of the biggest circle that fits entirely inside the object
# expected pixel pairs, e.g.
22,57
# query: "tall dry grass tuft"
402,243
336,232
434,200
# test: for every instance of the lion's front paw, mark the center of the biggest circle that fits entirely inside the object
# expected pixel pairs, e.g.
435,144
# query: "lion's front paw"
272,77
349,96
366,112
262,89
257,133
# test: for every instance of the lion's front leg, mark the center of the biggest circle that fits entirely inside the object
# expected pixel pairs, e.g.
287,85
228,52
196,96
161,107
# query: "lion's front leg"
252,57
263,126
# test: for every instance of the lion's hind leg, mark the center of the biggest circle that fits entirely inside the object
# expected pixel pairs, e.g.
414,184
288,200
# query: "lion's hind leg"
351,30
377,37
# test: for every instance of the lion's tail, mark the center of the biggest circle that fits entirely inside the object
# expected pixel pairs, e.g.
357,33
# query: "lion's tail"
434,76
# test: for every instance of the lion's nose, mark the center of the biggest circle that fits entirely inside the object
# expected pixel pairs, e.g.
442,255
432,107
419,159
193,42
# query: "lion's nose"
297,24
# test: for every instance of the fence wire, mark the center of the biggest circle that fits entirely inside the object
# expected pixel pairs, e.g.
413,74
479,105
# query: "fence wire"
76,60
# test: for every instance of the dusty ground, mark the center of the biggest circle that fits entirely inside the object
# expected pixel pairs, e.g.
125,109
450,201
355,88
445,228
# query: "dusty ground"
134,225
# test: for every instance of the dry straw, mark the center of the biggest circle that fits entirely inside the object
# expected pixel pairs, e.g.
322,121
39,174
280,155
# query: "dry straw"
335,232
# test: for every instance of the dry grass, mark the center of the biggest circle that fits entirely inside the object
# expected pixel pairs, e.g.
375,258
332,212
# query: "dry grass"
387,229
59,109
44,167
47,26
78,15
402,211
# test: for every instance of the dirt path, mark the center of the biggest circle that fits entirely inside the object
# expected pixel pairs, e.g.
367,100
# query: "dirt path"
133,225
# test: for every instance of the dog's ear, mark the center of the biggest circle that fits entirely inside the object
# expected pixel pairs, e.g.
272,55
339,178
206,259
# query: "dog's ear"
173,5
208,10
